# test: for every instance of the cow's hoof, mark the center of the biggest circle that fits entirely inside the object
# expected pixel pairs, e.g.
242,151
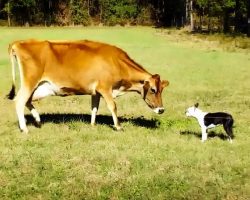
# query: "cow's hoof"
25,131
118,128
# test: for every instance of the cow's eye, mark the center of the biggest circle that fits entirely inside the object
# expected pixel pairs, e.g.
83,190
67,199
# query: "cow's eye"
153,90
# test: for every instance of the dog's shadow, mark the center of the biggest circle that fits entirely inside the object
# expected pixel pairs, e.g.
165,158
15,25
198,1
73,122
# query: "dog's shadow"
85,118
211,134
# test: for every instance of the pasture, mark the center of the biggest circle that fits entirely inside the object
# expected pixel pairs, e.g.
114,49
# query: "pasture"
156,156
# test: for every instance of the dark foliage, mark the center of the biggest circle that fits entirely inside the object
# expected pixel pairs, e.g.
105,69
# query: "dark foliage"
202,15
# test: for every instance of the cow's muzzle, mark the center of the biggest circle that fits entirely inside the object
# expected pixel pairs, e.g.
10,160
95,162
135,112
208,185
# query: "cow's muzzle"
159,110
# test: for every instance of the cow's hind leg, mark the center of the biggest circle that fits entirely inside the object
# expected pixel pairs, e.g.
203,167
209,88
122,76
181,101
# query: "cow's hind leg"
21,99
95,101
112,107
34,113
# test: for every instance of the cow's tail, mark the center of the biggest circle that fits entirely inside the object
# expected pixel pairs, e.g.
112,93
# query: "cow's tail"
12,55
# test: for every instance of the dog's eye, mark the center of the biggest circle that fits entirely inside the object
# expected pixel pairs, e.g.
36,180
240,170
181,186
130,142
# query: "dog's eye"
153,90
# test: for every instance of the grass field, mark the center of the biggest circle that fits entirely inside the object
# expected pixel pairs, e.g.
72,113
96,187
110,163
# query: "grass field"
156,156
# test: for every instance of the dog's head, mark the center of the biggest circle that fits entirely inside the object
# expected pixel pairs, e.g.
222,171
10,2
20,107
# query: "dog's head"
191,111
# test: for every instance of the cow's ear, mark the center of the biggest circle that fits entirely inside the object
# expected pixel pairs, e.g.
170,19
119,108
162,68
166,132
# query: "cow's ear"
164,83
141,82
146,86
144,82
156,76
196,105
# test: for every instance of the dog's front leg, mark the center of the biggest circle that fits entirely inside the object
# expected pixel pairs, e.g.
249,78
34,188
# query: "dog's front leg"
204,134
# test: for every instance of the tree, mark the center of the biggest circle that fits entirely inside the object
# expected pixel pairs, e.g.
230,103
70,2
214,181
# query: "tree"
237,16
118,12
248,19
216,15
23,9
227,7
8,13
169,13
80,12
47,9
191,16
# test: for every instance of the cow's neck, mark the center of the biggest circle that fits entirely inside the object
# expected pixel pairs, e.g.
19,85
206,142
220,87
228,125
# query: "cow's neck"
139,76
137,79
134,72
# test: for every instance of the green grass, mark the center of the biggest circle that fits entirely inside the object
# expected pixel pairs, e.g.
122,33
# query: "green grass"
155,157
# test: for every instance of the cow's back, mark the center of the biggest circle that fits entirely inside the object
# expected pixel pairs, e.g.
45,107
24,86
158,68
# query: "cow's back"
75,63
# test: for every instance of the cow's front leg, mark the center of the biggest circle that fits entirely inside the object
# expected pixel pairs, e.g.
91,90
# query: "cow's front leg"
112,107
34,113
95,101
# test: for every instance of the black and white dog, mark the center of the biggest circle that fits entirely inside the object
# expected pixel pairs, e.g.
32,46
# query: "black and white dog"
210,120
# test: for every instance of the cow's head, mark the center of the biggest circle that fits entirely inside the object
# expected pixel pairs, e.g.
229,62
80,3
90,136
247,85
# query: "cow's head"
152,89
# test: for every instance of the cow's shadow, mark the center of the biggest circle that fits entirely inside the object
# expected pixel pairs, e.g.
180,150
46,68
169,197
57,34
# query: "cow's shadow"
211,134
85,118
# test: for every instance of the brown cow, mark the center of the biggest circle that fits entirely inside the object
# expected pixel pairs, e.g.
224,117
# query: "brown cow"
78,68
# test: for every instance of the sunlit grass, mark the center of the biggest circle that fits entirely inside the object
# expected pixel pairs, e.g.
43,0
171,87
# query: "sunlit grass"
156,156
208,41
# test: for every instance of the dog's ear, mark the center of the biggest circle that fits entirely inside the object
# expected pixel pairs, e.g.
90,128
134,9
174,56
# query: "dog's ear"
196,105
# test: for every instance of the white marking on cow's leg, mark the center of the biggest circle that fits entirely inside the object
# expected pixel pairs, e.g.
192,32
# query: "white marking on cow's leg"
95,100
204,134
112,107
34,113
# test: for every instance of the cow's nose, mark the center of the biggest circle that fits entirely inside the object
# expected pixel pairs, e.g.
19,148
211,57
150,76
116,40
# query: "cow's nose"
161,110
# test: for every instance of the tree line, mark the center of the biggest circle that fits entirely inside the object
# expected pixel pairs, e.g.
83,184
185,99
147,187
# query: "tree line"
200,15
